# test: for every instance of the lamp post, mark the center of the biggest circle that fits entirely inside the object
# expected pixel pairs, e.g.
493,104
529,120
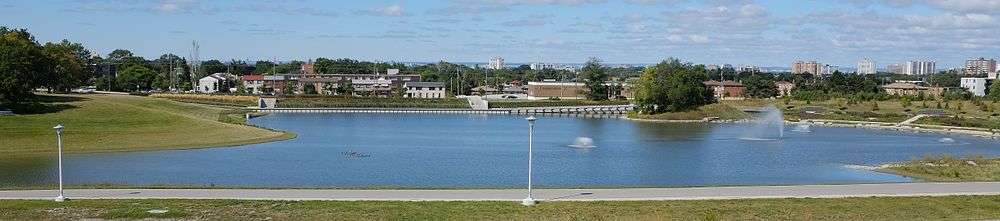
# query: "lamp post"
531,131
59,131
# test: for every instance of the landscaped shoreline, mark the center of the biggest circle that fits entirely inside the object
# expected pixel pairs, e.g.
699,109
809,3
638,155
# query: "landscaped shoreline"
123,123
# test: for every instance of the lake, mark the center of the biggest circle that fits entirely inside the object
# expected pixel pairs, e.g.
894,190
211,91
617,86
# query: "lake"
490,151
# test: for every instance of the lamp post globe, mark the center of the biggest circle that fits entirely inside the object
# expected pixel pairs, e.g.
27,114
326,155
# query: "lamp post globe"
531,131
59,131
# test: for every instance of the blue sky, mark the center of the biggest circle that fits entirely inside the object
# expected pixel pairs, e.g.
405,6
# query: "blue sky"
763,32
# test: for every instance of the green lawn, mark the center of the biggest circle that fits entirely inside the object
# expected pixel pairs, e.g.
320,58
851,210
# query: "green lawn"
109,123
947,168
894,111
724,111
872,208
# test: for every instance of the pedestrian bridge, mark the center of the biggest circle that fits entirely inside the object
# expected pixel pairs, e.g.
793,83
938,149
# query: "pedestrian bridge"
601,109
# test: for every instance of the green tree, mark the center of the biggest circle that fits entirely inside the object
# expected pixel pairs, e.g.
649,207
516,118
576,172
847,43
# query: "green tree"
211,67
672,85
760,87
136,78
71,65
309,89
994,92
593,77
23,64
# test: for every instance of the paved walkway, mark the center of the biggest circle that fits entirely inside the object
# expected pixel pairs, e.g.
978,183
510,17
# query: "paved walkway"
694,193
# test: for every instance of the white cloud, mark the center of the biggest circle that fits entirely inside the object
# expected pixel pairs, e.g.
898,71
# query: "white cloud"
387,11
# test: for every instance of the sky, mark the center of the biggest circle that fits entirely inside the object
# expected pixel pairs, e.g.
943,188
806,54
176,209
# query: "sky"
739,32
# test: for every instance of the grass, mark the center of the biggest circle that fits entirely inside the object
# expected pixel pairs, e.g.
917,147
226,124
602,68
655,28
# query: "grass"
552,103
723,110
894,111
870,208
113,123
948,168
223,100
364,102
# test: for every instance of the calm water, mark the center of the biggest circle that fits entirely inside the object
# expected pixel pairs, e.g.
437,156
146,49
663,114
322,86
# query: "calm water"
443,150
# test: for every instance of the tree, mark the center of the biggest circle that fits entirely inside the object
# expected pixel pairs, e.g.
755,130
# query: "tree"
672,86
23,63
346,89
309,89
760,87
212,67
71,65
136,78
945,80
994,92
593,77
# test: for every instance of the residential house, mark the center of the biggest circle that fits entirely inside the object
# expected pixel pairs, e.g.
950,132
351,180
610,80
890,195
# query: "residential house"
253,84
726,89
425,90
218,82
784,88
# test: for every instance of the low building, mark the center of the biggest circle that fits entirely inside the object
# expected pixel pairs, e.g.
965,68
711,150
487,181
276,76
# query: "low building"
726,89
911,89
561,90
215,83
253,84
784,88
425,90
976,86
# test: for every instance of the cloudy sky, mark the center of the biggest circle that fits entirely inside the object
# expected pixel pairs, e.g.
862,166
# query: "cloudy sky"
762,32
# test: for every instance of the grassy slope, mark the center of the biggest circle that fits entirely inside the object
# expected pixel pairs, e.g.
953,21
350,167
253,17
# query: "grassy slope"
725,110
893,208
946,168
893,111
107,123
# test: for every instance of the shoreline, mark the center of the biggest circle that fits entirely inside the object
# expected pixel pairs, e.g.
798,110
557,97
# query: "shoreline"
911,128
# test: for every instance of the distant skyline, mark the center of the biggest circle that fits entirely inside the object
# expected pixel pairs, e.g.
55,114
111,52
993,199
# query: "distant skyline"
771,33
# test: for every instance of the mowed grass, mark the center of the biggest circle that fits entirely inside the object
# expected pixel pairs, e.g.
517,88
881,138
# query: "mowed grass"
111,123
722,110
872,208
948,168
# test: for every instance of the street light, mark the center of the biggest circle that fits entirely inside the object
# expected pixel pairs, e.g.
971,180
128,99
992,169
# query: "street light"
531,130
59,130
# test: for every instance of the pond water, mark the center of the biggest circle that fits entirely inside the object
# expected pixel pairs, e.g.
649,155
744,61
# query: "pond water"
490,151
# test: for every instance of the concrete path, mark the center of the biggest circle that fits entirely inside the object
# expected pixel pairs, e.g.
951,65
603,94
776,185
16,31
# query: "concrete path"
911,120
694,193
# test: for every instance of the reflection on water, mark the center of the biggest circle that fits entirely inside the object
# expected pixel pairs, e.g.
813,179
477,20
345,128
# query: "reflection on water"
450,150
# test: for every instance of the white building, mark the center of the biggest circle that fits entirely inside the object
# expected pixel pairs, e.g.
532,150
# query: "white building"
866,66
977,86
541,66
748,69
496,63
215,83
425,90
919,68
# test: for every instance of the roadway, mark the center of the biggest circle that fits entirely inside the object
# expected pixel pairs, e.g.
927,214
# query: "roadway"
689,193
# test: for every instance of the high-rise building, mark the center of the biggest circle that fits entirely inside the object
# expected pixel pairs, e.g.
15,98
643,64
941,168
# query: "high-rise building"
920,68
866,66
496,63
802,67
980,66
896,68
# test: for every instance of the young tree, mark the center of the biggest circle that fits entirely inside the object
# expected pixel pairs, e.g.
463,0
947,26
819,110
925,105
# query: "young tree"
593,77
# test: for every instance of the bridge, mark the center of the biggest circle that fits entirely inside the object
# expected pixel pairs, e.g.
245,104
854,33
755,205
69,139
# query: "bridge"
567,110
600,109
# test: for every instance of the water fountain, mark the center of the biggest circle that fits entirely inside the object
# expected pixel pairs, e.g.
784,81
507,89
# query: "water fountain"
802,128
771,119
583,142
